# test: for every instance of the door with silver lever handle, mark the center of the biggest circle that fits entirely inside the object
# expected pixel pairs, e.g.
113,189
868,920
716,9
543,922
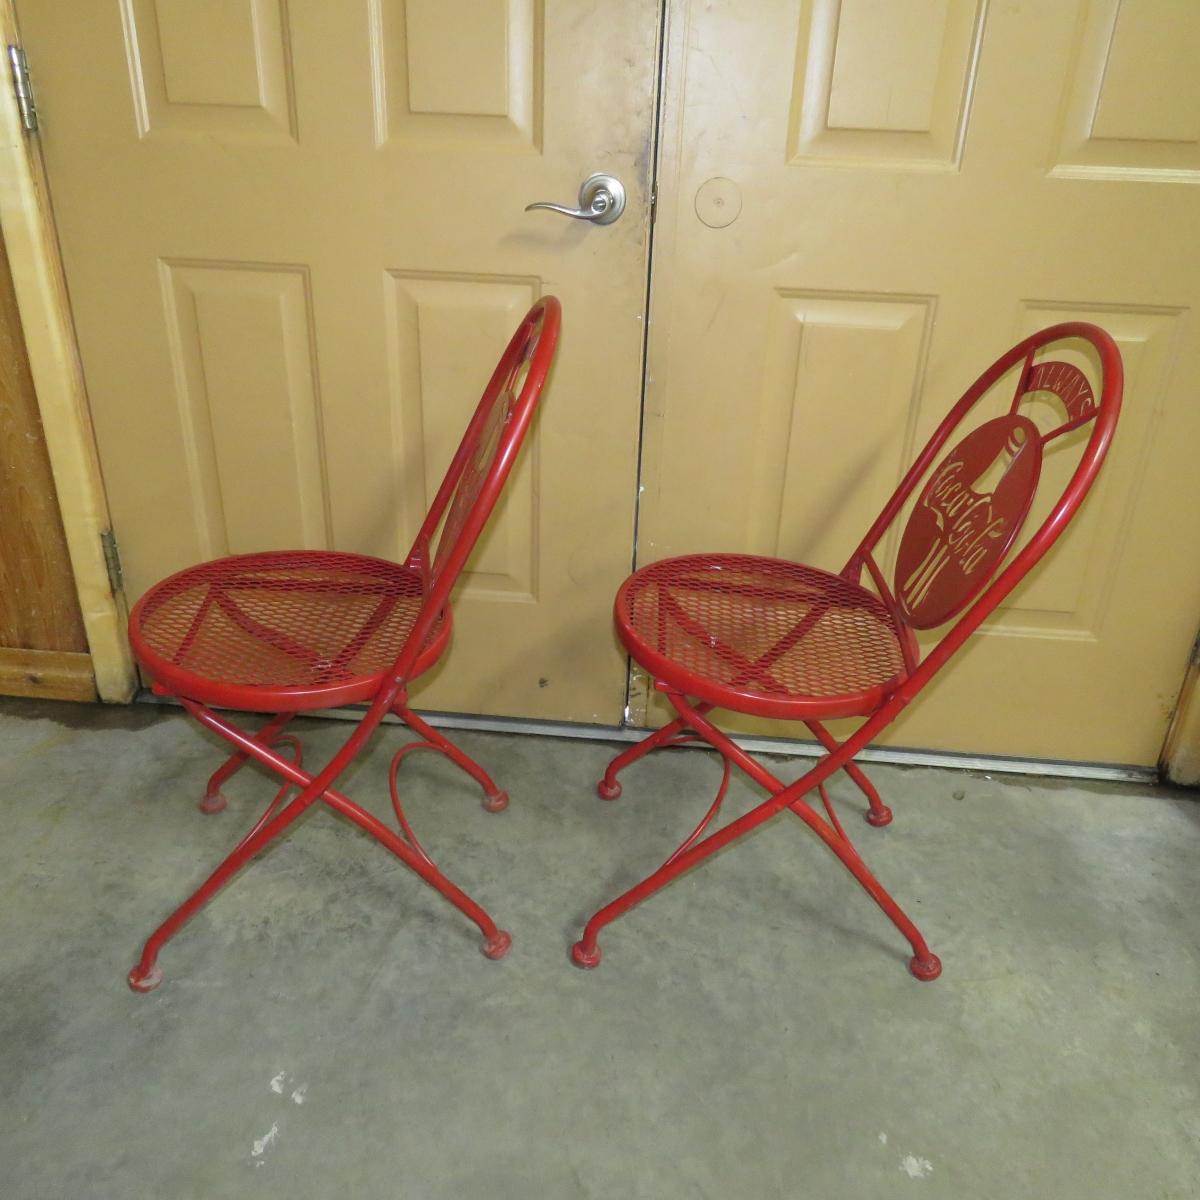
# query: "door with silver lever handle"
601,201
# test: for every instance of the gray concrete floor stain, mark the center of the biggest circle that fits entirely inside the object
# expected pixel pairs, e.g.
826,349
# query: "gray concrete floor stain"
327,1026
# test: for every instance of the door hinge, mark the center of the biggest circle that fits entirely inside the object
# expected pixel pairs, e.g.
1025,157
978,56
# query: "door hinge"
112,562
654,202
23,88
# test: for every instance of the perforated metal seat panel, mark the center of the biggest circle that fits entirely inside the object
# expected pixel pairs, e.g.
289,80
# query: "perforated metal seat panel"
281,630
778,638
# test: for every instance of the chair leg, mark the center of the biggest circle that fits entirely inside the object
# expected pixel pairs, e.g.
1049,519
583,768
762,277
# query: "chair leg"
496,941
494,800
147,975
878,814
214,801
609,788
924,964
586,952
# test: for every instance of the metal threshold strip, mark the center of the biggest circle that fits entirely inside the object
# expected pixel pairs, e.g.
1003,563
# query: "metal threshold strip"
990,763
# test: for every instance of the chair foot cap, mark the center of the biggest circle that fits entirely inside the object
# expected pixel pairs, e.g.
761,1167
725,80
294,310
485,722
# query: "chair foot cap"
145,981
497,945
583,957
926,969
608,791
497,802
879,819
214,802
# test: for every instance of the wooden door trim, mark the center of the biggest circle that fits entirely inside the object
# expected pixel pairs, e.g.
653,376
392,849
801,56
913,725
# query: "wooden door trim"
62,400
47,674
1181,752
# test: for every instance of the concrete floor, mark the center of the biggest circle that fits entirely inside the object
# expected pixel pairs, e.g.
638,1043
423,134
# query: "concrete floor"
328,1026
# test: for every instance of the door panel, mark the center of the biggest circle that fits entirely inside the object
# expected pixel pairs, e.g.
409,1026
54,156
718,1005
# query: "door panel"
883,83
861,206
295,243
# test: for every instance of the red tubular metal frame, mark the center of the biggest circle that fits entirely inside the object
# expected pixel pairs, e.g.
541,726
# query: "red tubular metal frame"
878,707
469,491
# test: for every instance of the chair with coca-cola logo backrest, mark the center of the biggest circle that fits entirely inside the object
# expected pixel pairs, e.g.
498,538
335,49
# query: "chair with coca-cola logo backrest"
288,632
772,638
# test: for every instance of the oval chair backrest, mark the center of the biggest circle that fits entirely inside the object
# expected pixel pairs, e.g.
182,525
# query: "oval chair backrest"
974,502
478,471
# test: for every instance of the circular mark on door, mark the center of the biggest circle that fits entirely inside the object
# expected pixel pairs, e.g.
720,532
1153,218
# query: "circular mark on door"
718,202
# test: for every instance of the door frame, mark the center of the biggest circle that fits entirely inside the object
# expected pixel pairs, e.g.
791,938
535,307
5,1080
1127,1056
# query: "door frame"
45,314
1180,761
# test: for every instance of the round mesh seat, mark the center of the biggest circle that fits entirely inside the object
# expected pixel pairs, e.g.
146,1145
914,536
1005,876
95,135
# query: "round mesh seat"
281,631
761,635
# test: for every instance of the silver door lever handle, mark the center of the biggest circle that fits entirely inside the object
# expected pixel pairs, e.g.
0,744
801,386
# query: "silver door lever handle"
601,201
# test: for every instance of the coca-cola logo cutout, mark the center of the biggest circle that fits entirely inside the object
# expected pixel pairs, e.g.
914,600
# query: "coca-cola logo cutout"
966,518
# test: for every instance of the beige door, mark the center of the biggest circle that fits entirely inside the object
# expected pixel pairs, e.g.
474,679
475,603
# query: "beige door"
861,204
295,244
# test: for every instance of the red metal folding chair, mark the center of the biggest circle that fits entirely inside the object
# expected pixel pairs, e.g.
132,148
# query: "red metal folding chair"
293,631
779,639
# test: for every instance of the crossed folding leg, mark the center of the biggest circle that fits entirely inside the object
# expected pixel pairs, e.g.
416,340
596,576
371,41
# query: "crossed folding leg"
277,818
